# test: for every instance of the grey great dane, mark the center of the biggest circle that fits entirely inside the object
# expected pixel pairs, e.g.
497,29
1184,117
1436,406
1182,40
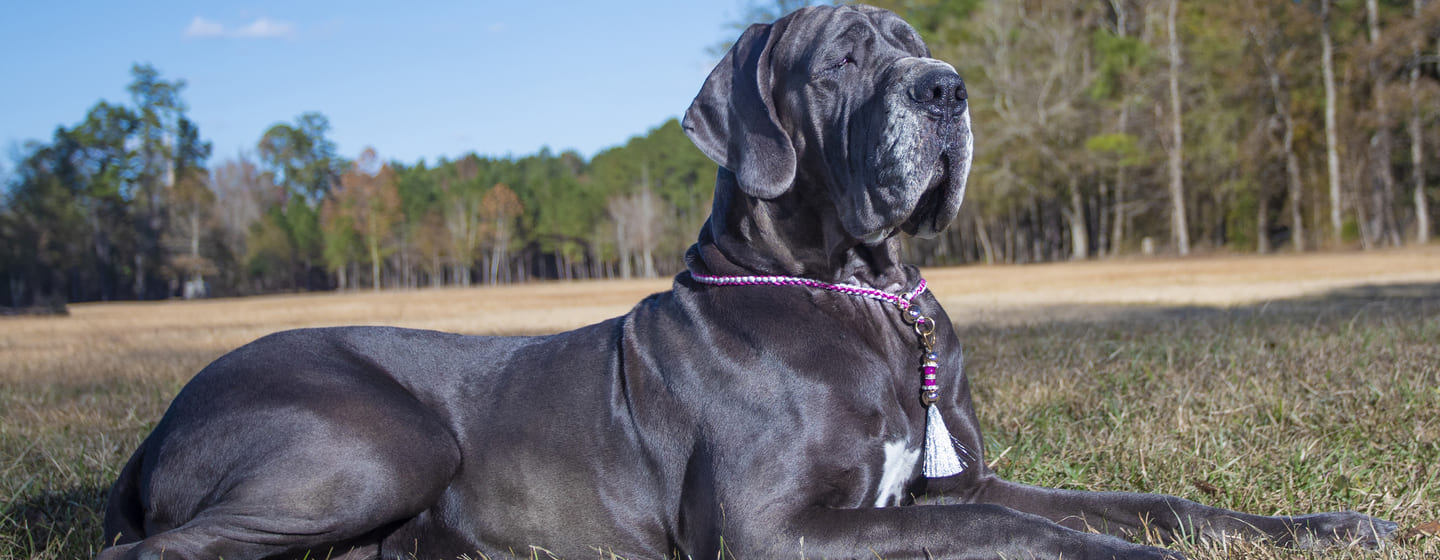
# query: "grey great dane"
754,421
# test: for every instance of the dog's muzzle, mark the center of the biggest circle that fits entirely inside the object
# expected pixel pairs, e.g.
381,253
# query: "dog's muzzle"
938,95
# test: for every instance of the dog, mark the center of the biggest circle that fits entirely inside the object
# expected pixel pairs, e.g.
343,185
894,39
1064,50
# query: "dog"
790,397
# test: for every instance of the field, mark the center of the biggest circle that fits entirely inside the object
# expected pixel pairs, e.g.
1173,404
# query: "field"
1273,385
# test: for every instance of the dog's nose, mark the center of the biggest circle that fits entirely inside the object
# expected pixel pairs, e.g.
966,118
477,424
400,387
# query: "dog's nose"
940,91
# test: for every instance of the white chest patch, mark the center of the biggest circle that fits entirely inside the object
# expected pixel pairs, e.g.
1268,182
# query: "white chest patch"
899,465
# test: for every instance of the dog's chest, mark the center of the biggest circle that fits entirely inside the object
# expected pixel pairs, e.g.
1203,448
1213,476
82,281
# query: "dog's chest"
895,473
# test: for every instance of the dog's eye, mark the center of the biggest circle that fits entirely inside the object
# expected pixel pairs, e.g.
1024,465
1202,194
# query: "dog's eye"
844,61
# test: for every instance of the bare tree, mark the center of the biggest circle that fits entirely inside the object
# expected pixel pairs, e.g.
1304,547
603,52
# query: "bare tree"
431,242
498,211
461,213
638,223
1332,142
621,216
191,204
240,190
369,201
649,232
1179,229
1267,46
1382,190
1120,208
1417,137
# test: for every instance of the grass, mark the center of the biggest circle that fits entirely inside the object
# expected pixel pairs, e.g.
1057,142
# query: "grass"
1318,404
1321,403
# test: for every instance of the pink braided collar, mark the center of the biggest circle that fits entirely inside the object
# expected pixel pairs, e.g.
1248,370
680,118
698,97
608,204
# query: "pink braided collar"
902,301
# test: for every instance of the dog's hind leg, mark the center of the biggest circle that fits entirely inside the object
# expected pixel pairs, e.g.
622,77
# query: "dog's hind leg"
278,478
340,508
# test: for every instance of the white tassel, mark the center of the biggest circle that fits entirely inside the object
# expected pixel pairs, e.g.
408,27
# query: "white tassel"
940,457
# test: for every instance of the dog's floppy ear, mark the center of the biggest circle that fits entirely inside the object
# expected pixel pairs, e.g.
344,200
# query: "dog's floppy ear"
733,119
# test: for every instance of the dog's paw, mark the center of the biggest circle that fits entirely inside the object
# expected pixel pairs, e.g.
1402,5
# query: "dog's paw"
1341,529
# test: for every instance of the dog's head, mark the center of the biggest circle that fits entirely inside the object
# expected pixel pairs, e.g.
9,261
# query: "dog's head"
846,98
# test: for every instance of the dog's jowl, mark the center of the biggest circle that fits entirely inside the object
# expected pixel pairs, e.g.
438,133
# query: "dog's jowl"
797,392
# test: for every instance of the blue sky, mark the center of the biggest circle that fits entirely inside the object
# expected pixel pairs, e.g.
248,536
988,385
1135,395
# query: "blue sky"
414,80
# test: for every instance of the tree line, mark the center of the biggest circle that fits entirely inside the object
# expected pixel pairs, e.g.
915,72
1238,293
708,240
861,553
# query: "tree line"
122,206
1109,127
1104,127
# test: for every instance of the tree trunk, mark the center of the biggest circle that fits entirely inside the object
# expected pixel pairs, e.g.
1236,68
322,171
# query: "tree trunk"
1332,150
1117,234
497,253
1037,230
1012,242
374,246
1115,230
1179,229
1297,192
405,277
1382,194
622,248
984,236
648,224
1102,245
1262,223
140,272
1079,233
1368,235
1417,142
195,275
1292,162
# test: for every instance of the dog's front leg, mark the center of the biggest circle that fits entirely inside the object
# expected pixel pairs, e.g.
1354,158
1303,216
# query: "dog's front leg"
1175,519
943,531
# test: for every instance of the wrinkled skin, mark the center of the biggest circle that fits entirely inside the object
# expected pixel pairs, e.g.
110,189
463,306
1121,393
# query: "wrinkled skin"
767,421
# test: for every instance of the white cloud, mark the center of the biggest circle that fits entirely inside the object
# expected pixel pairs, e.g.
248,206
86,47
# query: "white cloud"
262,28
266,28
203,28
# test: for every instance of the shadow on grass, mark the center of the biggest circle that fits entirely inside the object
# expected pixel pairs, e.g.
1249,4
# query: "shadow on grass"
1358,303
53,524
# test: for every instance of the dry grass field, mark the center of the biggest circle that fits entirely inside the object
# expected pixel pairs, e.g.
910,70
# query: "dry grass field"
1277,384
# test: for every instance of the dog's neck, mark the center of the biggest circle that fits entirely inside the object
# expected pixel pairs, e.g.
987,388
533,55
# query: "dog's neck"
795,234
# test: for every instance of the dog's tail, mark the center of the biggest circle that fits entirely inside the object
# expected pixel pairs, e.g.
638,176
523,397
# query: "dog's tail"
124,514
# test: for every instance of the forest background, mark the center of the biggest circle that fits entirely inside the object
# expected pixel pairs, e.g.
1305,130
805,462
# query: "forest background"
1105,128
